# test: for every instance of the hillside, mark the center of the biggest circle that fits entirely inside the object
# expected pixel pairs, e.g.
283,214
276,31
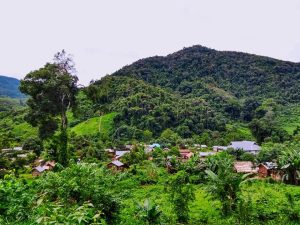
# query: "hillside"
9,87
200,93
199,90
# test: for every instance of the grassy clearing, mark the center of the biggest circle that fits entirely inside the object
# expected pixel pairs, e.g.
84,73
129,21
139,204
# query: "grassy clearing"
289,117
24,130
102,124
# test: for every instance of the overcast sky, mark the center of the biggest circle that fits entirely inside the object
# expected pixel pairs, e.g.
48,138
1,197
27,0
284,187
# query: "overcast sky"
103,36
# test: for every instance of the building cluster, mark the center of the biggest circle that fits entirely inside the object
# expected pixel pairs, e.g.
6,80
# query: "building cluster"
267,169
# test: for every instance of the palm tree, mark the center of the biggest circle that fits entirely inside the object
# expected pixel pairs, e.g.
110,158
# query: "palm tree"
226,187
223,183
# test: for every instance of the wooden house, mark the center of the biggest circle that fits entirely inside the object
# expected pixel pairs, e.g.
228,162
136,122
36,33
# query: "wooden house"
269,169
186,154
116,165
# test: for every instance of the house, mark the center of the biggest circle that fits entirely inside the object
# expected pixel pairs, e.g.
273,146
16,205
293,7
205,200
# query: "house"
12,149
269,169
155,145
116,164
50,164
247,146
22,155
150,148
37,171
206,154
120,154
219,148
245,167
186,154
44,166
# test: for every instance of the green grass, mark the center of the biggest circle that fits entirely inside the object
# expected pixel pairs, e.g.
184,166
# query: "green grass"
24,130
289,117
239,130
102,124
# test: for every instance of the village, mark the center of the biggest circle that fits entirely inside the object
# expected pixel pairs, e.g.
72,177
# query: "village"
38,166
261,170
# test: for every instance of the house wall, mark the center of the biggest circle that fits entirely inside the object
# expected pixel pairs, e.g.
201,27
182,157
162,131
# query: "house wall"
263,171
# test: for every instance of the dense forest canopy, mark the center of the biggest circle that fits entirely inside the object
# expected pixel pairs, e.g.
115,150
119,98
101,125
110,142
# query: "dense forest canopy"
239,74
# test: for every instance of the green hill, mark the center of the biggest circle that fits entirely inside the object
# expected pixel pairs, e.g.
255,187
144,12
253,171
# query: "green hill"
199,90
194,71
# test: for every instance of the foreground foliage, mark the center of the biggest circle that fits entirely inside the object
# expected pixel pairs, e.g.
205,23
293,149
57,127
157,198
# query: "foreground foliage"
90,194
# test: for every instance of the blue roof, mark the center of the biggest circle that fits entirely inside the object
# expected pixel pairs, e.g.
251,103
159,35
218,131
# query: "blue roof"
155,145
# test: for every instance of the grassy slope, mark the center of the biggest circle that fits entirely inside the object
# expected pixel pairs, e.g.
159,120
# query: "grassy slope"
289,117
24,130
93,125
241,129
19,128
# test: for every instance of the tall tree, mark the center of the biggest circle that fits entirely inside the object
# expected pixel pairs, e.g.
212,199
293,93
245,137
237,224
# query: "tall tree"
52,91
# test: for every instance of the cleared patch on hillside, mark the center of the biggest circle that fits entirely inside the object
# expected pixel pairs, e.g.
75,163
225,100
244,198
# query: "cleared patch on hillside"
24,131
102,125
289,117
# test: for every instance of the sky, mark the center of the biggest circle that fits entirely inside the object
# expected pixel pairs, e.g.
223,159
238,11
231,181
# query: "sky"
103,36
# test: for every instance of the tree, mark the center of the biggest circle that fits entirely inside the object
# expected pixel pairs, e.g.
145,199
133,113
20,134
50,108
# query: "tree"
289,161
52,91
223,183
169,137
33,144
149,212
181,193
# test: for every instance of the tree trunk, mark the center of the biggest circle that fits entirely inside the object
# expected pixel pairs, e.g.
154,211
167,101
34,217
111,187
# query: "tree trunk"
63,157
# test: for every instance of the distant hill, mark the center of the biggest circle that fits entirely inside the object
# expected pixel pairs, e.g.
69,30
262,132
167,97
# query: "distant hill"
9,87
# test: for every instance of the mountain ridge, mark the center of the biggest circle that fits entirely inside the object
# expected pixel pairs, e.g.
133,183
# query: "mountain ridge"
223,69
9,87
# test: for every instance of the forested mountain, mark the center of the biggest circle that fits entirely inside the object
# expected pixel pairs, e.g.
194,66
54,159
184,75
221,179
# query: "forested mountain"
9,87
197,70
199,90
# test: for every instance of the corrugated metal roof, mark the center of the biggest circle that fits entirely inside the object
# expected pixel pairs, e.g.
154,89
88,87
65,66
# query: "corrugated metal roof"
121,153
40,168
204,154
245,167
117,163
245,145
